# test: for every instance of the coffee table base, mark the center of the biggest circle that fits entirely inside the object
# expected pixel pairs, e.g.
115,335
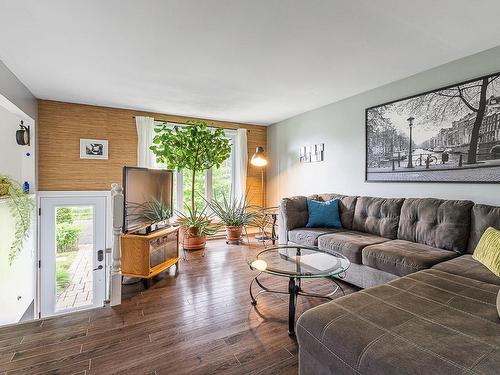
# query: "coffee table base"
294,290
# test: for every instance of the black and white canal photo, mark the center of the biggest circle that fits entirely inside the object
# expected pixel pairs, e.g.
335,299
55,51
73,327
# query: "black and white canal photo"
446,135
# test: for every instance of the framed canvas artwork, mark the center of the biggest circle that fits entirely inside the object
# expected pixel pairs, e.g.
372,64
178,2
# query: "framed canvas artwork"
93,149
451,134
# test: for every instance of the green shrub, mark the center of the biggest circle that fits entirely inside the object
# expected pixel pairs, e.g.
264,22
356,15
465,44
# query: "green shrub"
63,264
62,279
64,215
67,236
82,213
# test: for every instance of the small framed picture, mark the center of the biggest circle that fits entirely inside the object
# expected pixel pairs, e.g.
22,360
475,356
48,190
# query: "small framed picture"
93,149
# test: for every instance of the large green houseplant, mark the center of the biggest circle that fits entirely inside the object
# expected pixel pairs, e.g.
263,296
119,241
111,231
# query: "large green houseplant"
21,207
194,147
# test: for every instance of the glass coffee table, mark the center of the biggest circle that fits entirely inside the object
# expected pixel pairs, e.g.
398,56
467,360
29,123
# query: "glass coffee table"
296,262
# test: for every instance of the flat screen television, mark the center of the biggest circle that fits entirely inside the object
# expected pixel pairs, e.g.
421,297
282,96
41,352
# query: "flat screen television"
141,185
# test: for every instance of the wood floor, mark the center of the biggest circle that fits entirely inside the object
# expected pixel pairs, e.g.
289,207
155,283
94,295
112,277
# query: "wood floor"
198,322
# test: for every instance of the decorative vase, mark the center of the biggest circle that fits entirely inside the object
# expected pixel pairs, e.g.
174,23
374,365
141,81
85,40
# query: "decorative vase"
233,233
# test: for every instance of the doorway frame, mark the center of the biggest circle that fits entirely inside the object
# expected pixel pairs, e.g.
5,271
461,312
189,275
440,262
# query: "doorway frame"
32,122
107,230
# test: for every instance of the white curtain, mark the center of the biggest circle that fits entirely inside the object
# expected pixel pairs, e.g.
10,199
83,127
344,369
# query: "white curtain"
145,133
241,162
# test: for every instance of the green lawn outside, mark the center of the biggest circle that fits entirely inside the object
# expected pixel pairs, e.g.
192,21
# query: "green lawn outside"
63,262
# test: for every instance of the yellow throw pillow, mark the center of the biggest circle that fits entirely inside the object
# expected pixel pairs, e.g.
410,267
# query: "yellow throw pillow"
487,250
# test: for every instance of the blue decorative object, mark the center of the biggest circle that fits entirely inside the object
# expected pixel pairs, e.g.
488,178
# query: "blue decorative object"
323,214
26,187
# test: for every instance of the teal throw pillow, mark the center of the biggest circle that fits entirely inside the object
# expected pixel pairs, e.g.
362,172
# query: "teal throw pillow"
323,214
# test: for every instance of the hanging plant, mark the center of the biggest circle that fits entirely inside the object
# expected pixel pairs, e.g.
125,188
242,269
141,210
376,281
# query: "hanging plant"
21,207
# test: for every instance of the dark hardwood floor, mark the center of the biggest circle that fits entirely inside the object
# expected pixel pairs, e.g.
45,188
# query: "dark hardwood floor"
199,321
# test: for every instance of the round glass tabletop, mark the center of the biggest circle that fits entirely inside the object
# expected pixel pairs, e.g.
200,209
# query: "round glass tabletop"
298,261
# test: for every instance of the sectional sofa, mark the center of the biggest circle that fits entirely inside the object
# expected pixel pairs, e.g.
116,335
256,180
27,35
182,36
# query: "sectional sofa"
427,307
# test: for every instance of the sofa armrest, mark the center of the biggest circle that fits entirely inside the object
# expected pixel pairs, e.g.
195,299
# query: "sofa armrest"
292,214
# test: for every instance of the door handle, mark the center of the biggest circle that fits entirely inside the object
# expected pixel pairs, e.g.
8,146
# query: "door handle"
98,268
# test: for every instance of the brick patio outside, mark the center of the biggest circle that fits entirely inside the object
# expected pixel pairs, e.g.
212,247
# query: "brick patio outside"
79,291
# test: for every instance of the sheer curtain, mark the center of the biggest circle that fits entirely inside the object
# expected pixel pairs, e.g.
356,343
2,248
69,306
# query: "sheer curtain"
241,161
145,133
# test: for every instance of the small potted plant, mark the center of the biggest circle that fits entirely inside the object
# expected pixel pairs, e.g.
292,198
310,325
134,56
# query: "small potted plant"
4,186
233,213
196,226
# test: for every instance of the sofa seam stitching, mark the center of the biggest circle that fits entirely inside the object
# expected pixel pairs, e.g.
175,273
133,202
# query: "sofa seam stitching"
390,331
329,324
444,359
479,360
387,261
447,291
456,282
437,323
328,349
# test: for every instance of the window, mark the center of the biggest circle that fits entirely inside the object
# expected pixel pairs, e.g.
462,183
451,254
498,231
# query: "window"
212,183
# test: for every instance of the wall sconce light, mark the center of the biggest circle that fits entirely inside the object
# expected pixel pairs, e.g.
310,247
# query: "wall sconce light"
312,153
23,135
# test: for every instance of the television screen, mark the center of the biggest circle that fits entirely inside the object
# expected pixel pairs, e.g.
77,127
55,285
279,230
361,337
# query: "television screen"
142,186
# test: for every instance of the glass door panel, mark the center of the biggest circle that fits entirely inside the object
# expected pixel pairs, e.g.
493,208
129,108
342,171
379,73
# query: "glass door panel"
72,253
74,256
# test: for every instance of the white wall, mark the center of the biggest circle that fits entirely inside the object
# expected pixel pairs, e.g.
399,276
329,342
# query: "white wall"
14,159
17,280
341,126
18,94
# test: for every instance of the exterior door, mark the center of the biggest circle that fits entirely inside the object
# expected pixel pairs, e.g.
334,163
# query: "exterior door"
72,253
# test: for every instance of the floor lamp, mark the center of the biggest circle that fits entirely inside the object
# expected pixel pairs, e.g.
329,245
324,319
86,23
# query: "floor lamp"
259,160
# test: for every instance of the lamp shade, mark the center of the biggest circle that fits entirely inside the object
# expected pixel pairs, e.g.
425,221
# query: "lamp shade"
259,159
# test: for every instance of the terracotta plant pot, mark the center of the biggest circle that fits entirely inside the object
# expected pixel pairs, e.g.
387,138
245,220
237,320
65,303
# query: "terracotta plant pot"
4,189
233,233
190,241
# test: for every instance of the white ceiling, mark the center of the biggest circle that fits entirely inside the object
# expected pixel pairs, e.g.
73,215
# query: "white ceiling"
255,61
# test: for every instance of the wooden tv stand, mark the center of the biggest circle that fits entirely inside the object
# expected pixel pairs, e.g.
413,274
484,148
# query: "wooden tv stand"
145,256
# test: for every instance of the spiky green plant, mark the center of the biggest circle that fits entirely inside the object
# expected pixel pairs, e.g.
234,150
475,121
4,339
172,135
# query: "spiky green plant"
198,221
232,212
156,210
21,207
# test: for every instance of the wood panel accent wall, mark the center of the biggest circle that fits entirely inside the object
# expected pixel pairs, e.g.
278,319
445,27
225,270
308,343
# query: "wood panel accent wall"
61,125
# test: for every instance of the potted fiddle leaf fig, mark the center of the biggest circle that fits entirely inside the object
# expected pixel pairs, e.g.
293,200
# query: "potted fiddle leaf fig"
194,147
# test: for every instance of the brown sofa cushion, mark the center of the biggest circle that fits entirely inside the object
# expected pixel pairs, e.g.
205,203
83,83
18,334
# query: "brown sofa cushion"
379,216
482,217
347,204
401,257
435,222
293,212
349,243
466,266
429,322
309,236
